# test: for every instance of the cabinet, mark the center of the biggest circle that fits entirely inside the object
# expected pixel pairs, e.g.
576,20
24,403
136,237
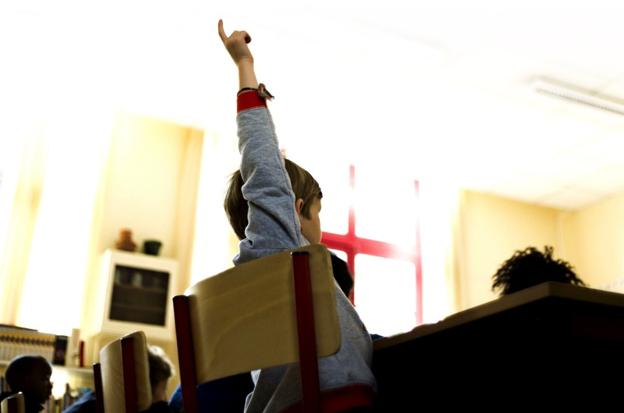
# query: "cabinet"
134,293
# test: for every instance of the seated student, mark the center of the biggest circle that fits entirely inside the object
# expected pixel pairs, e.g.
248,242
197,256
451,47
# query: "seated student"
222,395
31,376
160,370
530,267
282,214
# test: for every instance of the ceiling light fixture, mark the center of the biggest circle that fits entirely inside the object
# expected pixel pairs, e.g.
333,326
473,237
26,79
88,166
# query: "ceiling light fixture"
578,94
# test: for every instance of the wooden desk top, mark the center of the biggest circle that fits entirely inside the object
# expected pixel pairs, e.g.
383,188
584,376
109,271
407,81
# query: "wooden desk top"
538,293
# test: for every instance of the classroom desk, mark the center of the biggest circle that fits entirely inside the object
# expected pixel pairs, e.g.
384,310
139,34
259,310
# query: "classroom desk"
556,343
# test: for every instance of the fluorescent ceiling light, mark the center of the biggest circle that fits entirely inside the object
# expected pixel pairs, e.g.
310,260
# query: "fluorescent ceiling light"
578,94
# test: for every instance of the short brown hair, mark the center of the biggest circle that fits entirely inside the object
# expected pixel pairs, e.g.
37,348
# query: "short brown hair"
303,185
160,367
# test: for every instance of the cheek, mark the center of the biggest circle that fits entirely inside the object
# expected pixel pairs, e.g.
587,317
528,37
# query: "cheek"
317,229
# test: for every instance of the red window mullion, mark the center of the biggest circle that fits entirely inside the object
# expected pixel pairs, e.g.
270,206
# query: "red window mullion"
369,247
351,230
418,261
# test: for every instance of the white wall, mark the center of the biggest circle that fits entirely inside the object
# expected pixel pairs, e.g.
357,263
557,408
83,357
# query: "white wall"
143,181
491,230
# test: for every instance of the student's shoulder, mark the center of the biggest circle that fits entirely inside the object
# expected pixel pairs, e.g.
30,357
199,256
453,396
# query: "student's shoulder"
85,404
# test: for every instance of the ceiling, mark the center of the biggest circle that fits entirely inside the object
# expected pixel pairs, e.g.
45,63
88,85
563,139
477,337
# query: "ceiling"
441,89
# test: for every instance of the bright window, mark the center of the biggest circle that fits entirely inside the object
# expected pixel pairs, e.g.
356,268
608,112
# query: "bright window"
374,227
386,294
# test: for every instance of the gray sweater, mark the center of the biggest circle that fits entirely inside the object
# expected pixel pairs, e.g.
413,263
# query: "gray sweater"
273,227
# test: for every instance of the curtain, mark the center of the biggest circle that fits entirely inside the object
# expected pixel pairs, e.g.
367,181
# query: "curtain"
23,173
50,197
215,244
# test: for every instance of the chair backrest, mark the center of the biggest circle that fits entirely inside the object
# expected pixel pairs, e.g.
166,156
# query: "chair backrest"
246,317
125,374
13,404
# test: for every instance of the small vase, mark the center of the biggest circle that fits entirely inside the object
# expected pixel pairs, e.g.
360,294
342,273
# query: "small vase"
125,242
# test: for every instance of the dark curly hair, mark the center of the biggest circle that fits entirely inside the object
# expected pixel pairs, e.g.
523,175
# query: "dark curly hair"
530,267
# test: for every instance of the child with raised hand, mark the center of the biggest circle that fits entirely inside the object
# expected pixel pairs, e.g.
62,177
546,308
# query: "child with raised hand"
273,205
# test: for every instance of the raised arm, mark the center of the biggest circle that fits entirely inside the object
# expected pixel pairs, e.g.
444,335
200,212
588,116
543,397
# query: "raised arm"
236,45
273,224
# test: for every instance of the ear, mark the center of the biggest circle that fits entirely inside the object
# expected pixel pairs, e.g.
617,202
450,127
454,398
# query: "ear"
299,205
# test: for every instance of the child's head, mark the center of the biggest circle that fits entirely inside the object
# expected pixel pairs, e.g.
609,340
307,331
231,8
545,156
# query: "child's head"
530,267
160,370
31,376
307,202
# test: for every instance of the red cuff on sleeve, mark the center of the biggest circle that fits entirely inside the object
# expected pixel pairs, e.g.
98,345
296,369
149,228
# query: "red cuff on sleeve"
249,99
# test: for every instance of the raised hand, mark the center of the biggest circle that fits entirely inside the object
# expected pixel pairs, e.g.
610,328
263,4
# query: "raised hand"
236,44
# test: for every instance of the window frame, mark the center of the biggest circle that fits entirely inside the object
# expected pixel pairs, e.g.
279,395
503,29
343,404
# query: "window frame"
351,244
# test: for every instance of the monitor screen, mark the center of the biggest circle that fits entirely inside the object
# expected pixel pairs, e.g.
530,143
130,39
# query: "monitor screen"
139,295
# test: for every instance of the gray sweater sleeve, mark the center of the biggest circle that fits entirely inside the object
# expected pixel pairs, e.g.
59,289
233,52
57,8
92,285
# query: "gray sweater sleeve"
273,224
